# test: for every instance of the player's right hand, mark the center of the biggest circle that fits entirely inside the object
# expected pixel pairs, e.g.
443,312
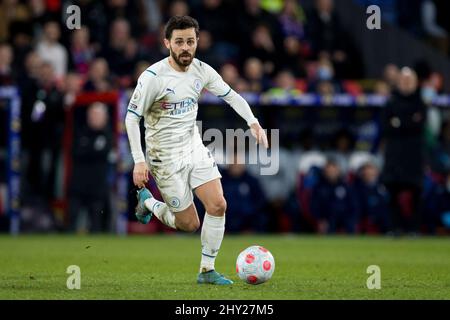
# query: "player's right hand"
140,174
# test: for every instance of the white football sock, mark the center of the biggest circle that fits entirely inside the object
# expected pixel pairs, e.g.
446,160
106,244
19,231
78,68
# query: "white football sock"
161,211
211,237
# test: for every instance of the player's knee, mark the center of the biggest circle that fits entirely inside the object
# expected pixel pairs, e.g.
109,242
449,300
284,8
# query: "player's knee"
193,226
217,207
190,226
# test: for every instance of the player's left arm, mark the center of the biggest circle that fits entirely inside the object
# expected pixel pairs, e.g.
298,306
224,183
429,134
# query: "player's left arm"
241,106
218,87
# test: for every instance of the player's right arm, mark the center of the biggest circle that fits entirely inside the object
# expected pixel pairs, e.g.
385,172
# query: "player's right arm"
142,98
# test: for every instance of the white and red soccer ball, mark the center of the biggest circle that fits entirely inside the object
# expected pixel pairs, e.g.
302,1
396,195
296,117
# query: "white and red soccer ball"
255,265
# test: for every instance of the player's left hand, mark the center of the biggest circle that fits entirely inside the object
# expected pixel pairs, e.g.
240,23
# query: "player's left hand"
259,134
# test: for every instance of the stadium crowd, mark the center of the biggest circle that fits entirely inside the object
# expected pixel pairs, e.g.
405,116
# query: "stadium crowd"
426,19
257,46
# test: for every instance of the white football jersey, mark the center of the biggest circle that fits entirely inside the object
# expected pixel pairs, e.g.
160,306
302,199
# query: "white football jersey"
168,101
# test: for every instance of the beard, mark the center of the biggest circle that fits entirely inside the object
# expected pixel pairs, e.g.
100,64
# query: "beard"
183,59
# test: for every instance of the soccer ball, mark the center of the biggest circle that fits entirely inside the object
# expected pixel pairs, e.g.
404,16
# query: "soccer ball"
255,265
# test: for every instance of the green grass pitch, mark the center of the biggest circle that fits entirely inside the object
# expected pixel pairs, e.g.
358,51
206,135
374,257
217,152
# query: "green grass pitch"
165,267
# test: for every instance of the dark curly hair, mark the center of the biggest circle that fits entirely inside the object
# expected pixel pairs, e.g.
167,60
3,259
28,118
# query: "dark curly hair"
180,23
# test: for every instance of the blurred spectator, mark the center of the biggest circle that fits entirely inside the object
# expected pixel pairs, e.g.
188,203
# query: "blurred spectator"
325,69
324,81
230,74
325,88
153,16
277,186
72,87
178,8
310,165
285,80
259,33
95,19
305,141
440,154
294,56
343,144
98,78
141,66
131,11
436,213
324,27
89,187
7,77
33,63
423,70
403,129
122,52
333,203
327,38
206,50
245,209
264,47
132,56
10,12
242,86
373,200
428,93
254,74
51,51
390,75
292,19
251,14
21,41
382,88
39,15
284,85
81,52
213,16
42,131
436,34
29,85
158,51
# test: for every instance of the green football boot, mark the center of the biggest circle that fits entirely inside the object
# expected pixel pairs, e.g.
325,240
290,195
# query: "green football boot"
143,214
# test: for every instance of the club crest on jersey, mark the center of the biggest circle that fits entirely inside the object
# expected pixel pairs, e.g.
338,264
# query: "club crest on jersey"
174,202
198,85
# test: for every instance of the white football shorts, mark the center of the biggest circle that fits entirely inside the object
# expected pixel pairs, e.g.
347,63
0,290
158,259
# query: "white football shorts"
176,181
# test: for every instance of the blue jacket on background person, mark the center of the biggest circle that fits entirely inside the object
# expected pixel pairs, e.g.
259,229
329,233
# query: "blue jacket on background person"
436,205
333,202
246,200
373,205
